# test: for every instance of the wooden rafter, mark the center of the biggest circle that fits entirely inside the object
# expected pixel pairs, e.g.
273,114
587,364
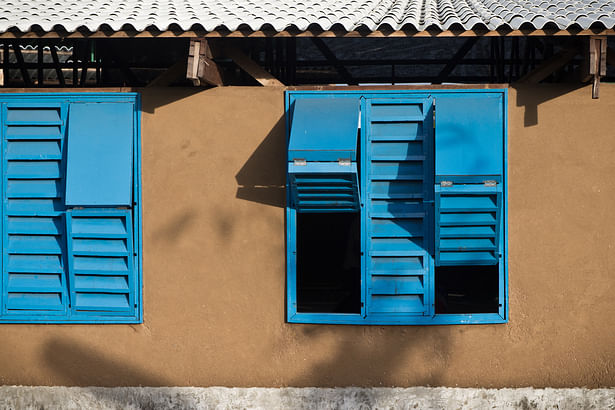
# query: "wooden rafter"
549,66
450,66
610,56
56,63
170,75
22,68
332,59
2,71
307,33
248,65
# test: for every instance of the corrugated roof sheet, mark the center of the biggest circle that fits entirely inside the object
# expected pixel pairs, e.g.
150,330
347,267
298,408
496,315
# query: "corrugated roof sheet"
256,15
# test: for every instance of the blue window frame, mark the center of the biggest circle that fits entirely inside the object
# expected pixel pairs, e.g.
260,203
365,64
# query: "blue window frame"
423,174
71,233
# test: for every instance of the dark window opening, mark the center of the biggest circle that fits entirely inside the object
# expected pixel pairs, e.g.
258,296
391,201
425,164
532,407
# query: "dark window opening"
328,262
467,289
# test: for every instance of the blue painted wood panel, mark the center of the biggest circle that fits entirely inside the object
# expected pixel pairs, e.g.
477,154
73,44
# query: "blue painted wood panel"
34,275
324,187
99,156
468,224
324,129
102,284
469,134
398,179
398,257
100,261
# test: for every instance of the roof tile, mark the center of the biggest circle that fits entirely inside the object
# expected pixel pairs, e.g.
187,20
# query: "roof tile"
283,14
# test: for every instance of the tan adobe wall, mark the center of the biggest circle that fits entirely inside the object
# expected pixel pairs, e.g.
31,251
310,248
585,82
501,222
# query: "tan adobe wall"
214,264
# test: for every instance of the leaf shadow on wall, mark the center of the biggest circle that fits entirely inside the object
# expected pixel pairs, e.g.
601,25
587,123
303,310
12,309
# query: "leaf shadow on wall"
531,96
263,176
76,364
375,356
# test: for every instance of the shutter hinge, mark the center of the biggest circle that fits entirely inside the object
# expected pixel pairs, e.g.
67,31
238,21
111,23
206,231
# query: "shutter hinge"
299,161
344,162
445,184
490,183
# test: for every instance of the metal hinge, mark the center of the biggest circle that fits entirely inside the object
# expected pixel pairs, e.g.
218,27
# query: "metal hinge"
299,161
446,184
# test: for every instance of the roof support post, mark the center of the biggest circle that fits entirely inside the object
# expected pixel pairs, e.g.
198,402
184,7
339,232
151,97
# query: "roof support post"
597,62
3,67
202,69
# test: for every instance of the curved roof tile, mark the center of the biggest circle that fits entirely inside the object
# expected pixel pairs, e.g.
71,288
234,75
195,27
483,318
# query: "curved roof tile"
282,14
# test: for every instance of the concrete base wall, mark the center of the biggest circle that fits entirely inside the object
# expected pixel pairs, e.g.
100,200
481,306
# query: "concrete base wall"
12,397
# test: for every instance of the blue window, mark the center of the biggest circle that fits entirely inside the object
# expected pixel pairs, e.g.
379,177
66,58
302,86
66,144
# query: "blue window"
71,214
396,207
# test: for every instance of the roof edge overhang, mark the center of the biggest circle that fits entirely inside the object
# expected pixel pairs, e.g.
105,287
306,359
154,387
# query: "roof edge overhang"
15,34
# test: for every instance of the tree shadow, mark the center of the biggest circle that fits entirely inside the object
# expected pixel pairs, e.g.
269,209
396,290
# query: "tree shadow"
76,364
531,96
385,356
262,178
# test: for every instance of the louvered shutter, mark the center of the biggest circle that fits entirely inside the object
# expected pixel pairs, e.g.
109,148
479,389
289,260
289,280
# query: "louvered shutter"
399,184
469,175
322,155
34,279
99,220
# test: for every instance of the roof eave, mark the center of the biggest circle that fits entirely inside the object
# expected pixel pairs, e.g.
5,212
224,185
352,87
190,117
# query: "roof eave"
307,33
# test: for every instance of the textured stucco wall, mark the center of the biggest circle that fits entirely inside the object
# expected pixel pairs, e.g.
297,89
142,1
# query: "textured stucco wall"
214,274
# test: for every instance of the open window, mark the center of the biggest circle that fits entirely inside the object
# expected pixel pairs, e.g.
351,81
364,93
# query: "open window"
396,207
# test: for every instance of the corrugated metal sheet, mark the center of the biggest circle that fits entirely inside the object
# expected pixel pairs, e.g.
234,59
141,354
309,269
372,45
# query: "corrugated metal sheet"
284,14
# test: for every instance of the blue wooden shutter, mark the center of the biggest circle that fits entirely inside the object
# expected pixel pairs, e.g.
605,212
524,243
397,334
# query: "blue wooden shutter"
399,184
100,236
99,166
469,174
34,280
467,224
100,255
322,155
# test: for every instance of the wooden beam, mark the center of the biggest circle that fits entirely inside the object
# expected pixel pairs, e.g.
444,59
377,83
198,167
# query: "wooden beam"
597,62
307,33
24,73
56,62
610,56
170,75
332,59
201,68
450,66
549,66
3,68
248,65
